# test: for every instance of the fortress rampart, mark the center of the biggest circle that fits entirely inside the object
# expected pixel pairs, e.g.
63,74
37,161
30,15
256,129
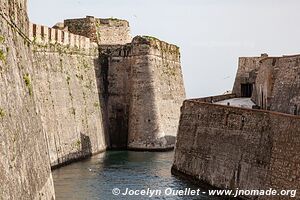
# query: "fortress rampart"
76,54
67,88
24,164
230,147
73,90
69,104
250,149
154,114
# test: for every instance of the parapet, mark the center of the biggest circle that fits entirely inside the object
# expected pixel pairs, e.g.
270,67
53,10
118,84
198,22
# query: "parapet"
158,47
44,35
114,22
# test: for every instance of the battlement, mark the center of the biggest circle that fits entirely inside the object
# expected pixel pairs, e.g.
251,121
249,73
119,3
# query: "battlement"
44,35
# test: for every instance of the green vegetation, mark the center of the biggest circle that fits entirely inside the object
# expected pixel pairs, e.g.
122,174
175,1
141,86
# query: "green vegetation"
68,80
73,111
2,56
28,84
169,71
114,19
2,113
79,76
85,64
27,80
2,39
78,144
150,37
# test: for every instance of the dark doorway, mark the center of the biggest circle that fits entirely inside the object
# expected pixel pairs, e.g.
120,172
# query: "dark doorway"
246,90
118,129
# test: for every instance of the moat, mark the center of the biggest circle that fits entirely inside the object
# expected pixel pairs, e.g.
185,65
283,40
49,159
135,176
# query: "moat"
95,178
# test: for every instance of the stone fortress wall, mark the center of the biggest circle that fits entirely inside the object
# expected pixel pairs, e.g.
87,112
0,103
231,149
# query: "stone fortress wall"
154,114
66,95
278,84
232,147
24,166
129,67
144,92
274,80
96,91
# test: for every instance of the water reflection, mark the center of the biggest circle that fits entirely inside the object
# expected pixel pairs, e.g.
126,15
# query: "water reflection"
96,177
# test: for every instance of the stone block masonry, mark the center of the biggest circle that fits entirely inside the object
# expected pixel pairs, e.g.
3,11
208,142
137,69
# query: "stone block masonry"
24,161
71,91
271,82
144,93
109,31
133,118
230,147
69,104
278,85
157,93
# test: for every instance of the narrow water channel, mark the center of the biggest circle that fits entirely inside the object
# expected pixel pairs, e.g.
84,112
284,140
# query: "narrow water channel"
95,178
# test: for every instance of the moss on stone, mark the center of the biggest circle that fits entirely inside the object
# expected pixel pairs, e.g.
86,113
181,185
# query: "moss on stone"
78,144
28,84
68,80
2,56
2,113
79,76
150,37
2,39
27,79
114,19
73,111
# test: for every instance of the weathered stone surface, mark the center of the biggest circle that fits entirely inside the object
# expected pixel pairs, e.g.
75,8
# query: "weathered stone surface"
156,95
109,31
116,83
246,73
230,147
59,100
69,104
279,84
275,82
24,163
144,91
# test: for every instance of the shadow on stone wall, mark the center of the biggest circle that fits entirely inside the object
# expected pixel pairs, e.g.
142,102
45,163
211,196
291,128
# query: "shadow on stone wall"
84,152
102,86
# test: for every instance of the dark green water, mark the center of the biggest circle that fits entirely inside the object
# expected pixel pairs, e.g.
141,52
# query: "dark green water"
96,177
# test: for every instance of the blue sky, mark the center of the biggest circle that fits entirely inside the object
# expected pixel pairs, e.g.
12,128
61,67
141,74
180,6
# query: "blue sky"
212,34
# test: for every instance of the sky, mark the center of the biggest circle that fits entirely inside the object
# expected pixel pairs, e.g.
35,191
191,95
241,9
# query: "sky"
211,34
